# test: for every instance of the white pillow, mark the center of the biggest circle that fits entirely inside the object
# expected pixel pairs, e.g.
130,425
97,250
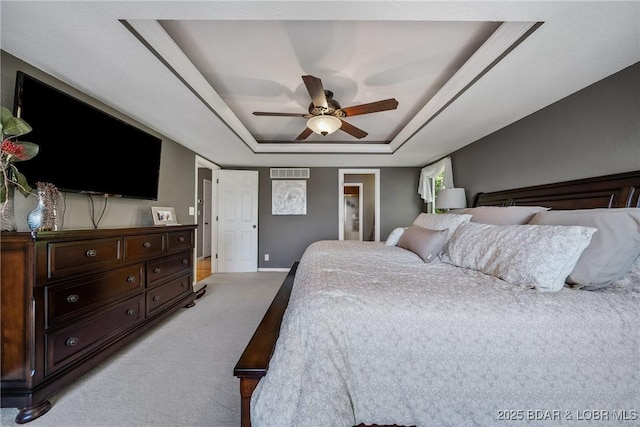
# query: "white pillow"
612,250
539,255
441,222
501,215
394,236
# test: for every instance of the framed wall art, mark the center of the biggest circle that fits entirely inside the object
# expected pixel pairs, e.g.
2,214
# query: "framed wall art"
289,197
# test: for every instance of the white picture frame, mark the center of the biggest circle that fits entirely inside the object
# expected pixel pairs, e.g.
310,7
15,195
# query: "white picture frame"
163,215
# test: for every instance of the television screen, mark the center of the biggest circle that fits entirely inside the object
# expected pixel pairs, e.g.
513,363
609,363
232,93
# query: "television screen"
83,149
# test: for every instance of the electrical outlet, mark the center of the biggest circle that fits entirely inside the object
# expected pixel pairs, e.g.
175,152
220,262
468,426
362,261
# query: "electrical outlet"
266,257
192,210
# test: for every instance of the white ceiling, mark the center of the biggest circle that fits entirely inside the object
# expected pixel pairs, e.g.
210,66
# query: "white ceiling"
195,71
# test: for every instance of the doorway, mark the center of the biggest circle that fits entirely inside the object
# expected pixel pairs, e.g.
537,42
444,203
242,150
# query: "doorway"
353,217
205,197
207,217
369,200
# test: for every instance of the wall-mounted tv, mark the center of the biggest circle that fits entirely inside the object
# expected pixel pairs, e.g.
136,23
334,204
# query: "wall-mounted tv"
83,149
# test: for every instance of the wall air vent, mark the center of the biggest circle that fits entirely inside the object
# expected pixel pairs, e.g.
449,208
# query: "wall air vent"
288,173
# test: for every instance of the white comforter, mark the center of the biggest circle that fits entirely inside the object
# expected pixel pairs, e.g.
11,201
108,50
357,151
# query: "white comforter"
374,335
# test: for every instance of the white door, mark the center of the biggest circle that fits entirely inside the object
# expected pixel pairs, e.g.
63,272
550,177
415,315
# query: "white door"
237,221
207,216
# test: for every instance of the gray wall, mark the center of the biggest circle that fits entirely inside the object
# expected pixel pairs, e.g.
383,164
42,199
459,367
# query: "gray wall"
400,203
593,132
177,169
285,237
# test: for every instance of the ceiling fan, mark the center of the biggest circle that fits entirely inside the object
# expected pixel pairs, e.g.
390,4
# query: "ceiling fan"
325,115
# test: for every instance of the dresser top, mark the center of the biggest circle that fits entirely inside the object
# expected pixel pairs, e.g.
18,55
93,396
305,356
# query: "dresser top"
86,233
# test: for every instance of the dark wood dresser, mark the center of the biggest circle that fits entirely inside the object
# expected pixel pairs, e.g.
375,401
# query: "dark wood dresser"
71,299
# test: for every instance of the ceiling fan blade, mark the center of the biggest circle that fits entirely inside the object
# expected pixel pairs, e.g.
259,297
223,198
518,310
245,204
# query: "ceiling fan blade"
304,135
263,113
316,91
352,130
372,107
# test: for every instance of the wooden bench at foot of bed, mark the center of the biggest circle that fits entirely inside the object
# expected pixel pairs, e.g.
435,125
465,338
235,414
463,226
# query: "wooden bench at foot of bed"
254,362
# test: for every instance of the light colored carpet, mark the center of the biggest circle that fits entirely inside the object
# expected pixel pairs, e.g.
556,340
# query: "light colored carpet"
178,374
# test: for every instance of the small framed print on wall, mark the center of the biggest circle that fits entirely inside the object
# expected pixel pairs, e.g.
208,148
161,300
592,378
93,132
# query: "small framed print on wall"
163,216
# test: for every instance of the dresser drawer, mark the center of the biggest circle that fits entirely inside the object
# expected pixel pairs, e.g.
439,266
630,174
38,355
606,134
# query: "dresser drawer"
179,240
66,258
145,246
159,270
71,343
164,294
66,302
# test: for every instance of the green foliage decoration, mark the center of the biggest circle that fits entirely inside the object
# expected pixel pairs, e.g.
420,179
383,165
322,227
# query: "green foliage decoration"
13,151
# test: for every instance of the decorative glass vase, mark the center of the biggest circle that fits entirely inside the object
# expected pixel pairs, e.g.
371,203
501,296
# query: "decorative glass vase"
36,216
43,216
7,212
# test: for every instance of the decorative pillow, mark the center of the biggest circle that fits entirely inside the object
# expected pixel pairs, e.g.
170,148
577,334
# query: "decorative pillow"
613,247
539,255
441,222
501,215
425,243
394,236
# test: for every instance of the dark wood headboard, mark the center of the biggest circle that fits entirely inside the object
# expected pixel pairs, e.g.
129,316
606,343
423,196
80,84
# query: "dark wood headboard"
609,191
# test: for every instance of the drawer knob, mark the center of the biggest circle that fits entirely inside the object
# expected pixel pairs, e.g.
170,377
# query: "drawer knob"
72,298
92,253
184,285
185,261
156,298
72,341
181,239
131,279
130,312
147,244
156,270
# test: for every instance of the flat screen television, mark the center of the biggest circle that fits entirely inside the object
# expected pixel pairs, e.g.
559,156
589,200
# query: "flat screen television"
83,149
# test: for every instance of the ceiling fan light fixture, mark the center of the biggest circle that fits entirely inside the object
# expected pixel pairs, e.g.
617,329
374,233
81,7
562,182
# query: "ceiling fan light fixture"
324,125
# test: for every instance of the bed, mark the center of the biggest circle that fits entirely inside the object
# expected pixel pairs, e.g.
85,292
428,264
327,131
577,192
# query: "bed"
367,333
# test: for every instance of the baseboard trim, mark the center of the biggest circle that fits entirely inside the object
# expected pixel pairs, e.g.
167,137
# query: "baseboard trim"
274,269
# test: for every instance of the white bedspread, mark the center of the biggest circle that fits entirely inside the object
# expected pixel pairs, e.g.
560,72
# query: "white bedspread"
374,335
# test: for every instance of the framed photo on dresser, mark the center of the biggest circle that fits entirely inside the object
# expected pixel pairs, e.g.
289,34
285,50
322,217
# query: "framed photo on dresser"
163,215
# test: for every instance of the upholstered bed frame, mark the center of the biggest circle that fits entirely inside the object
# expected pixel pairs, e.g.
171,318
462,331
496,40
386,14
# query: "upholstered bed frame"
611,191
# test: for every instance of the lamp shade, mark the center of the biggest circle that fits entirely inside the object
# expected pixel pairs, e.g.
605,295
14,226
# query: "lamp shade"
324,125
451,198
